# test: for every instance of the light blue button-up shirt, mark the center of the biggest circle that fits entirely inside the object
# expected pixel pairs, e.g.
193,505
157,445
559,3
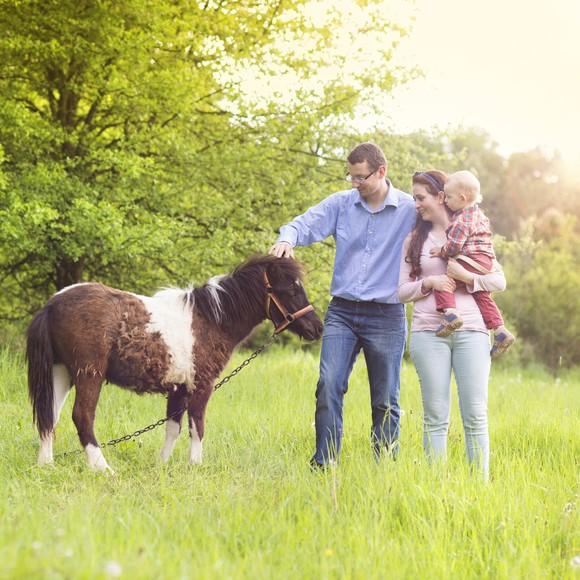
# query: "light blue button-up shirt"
368,241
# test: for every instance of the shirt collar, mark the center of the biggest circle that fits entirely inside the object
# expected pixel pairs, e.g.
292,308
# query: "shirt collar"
392,198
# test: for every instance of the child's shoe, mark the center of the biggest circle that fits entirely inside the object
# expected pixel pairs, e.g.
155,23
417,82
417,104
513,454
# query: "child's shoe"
450,323
503,339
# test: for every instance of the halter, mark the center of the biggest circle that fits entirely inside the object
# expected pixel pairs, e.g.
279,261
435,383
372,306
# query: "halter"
288,318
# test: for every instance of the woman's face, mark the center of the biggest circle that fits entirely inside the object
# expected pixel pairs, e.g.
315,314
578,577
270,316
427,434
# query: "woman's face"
429,207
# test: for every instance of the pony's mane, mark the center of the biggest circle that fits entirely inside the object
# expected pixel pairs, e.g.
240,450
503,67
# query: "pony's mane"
228,300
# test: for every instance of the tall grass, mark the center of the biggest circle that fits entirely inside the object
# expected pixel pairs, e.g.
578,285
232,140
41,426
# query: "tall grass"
255,510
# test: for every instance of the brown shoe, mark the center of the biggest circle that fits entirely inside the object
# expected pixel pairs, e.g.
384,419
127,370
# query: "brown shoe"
501,343
450,323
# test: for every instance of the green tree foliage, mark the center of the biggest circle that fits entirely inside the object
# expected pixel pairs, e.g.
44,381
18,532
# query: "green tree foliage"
136,153
543,280
146,142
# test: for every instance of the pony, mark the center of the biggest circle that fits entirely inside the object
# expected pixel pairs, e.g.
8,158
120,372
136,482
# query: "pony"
175,342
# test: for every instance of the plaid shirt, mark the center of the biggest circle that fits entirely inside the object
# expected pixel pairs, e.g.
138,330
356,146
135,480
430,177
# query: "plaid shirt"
468,234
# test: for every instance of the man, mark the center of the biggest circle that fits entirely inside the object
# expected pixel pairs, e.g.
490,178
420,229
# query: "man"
369,223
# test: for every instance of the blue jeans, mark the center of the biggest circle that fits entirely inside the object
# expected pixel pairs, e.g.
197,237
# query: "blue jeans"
466,353
379,329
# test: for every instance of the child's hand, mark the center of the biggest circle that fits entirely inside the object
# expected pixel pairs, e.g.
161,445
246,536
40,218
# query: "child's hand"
435,252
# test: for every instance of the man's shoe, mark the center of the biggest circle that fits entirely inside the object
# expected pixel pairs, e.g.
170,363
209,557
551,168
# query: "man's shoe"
322,467
501,343
450,323
386,452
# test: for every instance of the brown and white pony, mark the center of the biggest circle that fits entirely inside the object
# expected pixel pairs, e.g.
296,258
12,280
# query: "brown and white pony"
175,342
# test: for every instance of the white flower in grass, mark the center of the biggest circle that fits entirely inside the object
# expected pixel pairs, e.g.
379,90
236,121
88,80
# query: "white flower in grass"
569,507
36,545
113,569
575,562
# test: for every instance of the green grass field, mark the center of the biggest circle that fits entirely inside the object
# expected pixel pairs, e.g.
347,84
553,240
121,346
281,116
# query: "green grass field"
255,510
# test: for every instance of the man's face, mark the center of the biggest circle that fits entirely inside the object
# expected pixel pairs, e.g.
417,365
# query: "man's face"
365,179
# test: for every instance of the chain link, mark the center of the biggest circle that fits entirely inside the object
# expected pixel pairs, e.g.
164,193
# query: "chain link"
139,432
258,351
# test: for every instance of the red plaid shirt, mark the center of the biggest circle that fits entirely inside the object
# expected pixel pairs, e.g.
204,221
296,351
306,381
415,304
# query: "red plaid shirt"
468,234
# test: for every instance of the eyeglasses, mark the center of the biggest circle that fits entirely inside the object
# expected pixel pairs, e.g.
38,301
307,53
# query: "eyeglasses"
353,178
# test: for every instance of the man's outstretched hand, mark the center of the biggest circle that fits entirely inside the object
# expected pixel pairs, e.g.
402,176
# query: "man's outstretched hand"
282,250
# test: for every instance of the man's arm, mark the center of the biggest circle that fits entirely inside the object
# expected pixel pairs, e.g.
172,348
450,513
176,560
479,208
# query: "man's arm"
315,225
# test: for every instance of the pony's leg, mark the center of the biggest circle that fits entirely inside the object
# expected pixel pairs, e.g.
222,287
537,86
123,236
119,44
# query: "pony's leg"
176,403
88,389
61,387
196,413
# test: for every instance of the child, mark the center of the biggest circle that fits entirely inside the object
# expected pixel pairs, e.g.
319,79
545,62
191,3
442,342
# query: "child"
469,241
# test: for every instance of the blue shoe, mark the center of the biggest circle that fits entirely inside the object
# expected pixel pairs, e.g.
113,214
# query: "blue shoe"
451,322
501,343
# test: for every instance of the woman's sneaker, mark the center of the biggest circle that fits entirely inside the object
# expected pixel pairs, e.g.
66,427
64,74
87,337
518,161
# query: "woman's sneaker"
450,323
501,343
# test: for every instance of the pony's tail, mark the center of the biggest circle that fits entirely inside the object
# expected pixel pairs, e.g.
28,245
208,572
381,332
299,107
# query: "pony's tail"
40,361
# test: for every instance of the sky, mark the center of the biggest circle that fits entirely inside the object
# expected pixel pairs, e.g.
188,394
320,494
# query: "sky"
511,67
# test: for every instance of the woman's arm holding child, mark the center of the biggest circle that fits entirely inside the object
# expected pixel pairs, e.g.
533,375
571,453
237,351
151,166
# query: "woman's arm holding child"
411,289
493,282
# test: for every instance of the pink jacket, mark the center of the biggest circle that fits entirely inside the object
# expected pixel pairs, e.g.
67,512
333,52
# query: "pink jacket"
425,315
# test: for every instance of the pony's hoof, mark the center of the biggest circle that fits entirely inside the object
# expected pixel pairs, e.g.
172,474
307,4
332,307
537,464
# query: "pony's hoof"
102,469
164,457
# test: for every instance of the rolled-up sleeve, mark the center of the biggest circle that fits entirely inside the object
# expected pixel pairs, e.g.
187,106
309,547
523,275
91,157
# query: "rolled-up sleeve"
315,225
456,238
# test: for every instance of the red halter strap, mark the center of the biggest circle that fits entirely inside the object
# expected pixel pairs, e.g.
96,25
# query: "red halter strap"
288,318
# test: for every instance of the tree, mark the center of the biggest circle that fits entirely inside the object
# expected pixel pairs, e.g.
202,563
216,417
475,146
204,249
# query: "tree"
542,297
135,154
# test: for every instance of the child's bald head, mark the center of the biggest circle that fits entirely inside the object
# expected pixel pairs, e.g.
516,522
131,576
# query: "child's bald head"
461,190
466,184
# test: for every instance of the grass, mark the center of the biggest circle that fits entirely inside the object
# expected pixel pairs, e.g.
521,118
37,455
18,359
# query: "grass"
254,509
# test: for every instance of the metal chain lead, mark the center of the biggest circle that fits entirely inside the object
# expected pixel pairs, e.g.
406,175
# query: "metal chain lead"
139,432
258,351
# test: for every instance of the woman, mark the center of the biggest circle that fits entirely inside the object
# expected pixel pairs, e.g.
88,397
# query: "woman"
465,352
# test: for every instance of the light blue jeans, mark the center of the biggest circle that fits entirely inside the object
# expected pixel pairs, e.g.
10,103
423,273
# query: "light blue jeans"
467,354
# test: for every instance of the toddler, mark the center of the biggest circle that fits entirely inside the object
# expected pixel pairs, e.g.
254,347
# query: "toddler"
469,241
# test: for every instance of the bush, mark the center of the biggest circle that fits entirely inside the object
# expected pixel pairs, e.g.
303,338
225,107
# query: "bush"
542,296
